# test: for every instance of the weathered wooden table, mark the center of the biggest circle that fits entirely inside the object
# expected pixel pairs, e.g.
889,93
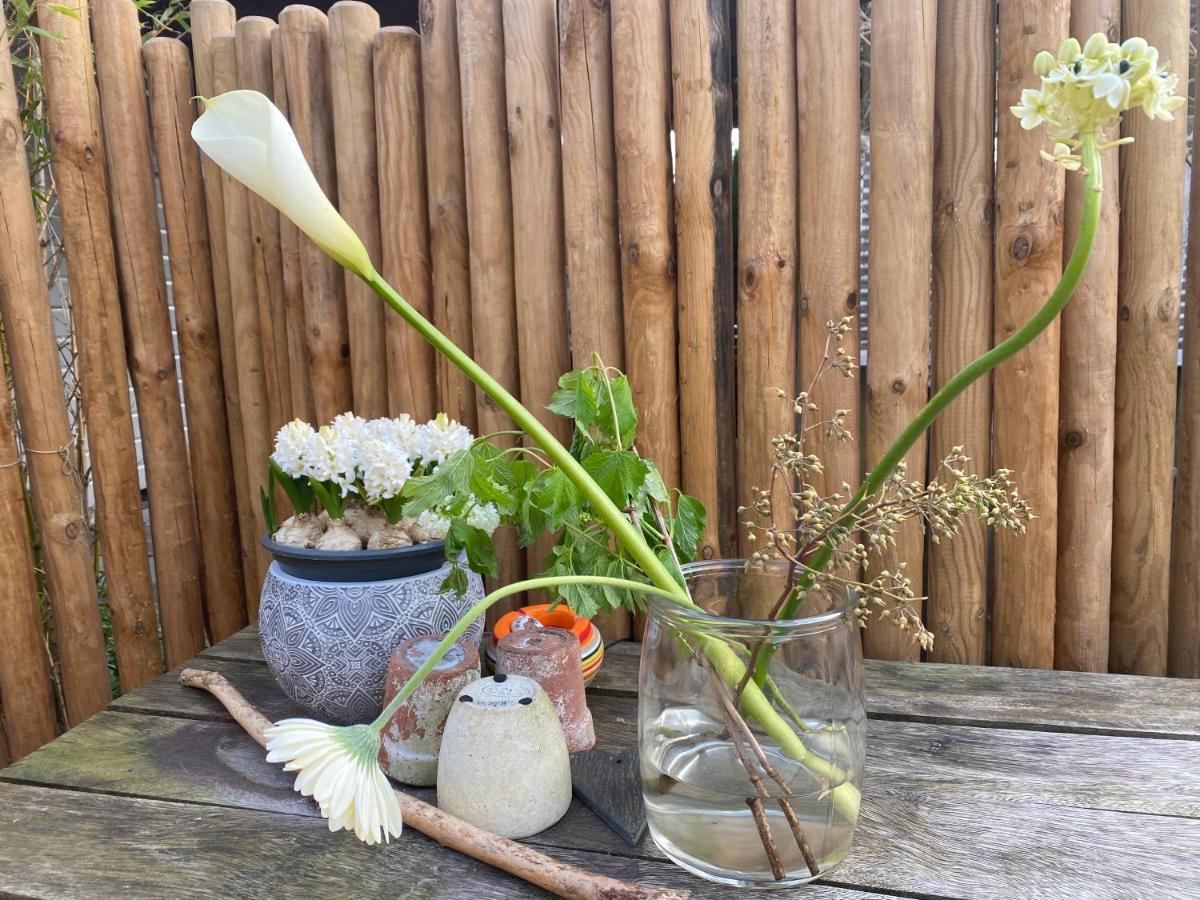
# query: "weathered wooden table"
980,783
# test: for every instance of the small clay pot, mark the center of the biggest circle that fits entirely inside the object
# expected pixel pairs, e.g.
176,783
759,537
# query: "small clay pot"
504,764
412,738
550,656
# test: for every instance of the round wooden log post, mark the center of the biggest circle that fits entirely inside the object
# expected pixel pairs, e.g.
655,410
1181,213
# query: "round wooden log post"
1029,245
530,42
590,183
964,122
247,333
1087,386
303,406
305,39
641,47
80,181
703,103
404,218
252,40
1152,211
447,200
57,488
827,215
169,72
352,28
150,349
481,51
25,692
766,234
209,17
902,85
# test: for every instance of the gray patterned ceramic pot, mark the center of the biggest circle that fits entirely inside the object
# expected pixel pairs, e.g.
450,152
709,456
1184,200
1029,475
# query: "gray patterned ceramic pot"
328,639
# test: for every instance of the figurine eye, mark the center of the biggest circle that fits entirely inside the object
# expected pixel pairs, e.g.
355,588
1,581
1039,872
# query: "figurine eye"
465,698
525,701
500,679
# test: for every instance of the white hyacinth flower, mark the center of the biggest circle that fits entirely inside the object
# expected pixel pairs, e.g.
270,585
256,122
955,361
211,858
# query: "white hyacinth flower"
442,437
402,431
245,134
385,469
339,768
435,524
485,517
293,443
345,437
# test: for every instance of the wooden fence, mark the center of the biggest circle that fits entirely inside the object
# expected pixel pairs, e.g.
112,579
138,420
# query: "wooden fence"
512,141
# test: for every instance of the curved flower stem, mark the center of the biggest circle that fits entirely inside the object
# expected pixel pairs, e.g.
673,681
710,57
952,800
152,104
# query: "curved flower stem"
605,509
461,626
1018,340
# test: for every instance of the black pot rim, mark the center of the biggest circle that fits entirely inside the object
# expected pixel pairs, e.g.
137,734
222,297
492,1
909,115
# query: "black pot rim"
357,565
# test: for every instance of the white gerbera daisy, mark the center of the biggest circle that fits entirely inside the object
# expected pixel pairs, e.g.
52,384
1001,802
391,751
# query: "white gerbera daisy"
339,768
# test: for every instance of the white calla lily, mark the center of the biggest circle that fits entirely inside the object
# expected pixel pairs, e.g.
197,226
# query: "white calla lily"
339,768
245,134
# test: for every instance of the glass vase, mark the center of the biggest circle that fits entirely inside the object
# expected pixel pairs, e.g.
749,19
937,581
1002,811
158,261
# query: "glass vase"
725,781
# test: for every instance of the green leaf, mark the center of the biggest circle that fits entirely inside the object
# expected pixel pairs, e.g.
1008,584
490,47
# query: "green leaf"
555,495
330,497
476,543
67,11
268,509
299,490
456,580
576,398
687,527
654,487
619,419
451,478
620,473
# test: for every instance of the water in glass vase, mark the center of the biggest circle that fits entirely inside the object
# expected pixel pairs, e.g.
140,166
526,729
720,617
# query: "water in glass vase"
697,795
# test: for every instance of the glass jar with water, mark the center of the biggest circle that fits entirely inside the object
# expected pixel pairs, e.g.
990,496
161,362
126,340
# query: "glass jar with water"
725,797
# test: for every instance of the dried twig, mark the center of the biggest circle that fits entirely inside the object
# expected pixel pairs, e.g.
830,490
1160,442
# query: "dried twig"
737,725
510,856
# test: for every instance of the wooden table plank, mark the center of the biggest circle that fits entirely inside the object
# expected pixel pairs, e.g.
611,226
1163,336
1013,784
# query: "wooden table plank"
64,844
953,694
911,838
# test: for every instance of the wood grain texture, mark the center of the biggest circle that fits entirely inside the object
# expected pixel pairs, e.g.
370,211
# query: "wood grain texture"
827,214
148,328
404,218
172,111
26,695
1183,632
73,109
481,49
1087,386
352,28
202,866
304,36
964,125
209,17
248,344
1059,800
450,260
252,39
903,44
1029,247
641,53
1152,212
701,63
766,236
590,183
530,43
56,496
303,406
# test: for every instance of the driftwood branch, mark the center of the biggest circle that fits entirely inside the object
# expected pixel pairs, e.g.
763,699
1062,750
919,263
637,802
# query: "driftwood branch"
449,831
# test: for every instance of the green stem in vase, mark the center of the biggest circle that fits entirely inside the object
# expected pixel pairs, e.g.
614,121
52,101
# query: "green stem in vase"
973,371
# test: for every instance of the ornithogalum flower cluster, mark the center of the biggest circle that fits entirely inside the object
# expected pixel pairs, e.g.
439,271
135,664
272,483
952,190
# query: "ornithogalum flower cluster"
1085,89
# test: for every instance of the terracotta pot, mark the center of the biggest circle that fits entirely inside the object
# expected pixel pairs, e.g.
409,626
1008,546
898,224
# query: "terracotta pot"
550,656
